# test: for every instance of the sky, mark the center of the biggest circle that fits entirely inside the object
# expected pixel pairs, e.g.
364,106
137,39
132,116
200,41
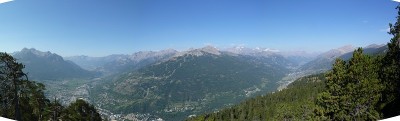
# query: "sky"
104,27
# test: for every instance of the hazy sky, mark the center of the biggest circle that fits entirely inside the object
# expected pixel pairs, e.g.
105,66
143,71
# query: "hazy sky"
103,27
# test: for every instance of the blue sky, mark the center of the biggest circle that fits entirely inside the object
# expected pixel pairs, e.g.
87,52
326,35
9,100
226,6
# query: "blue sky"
103,27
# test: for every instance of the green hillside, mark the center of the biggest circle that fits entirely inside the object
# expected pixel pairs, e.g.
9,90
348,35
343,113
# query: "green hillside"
188,84
296,102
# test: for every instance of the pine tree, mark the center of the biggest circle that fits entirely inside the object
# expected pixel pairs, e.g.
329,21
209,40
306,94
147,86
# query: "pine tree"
21,99
12,79
80,110
390,72
330,100
363,80
353,89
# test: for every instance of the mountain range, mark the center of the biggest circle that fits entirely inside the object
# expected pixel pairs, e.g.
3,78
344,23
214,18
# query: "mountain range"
195,81
172,85
49,66
324,61
119,62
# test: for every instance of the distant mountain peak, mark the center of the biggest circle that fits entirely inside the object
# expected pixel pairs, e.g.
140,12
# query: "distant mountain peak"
334,53
239,50
270,50
375,46
169,50
346,48
201,51
252,51
147,54
35,52
210,49
48,66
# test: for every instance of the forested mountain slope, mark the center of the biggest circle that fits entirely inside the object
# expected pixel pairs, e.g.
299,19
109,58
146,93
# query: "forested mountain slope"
195,82
293,103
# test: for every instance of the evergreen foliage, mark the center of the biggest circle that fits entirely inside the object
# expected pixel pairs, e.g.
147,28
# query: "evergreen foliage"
294,103
24,100
390,72
80,110
18,95
352,90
